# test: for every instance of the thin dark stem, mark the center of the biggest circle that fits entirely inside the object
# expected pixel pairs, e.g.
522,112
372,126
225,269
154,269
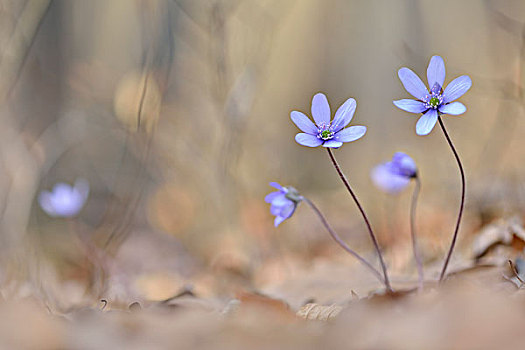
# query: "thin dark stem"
515,271
417,257
338,239
369,227
462,204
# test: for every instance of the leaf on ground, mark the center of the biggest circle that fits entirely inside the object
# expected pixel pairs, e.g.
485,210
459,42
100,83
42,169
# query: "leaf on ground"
317,312
517,269
508,232
257,300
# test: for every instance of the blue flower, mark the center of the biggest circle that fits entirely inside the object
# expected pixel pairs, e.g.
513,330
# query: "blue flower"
435,102
64,200
283,202
394,176
325,132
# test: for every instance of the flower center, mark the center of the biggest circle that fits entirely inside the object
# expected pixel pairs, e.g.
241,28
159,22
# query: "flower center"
434,99
434,102
326,134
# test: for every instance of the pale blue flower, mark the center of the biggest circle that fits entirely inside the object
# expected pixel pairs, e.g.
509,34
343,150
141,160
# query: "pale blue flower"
395,175
325,132
283,202
64,200
436,101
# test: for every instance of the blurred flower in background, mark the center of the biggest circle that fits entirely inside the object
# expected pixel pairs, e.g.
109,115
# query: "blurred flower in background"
395,175
64,200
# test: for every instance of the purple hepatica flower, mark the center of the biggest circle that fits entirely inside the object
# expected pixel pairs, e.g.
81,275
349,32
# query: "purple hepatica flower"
394,176
64,200
283,202
435,102
323,132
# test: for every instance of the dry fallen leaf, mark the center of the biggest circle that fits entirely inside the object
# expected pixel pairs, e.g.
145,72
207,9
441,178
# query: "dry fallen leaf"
317,312
260,301
517,276
507,232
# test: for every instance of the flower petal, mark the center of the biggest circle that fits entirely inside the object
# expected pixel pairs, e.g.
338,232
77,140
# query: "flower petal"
350,134
404,164
320,109
388,181
275,209
288,210
308,140
276,185
456,88
332,144
426,123
436,71
303,122
272,196
280,201
410,105
278,220
62,189
44,199
454,108
344,115
412,83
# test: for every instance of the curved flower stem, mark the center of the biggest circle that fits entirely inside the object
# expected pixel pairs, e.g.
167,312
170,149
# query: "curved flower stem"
462,204
365,218
338,239
417,257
